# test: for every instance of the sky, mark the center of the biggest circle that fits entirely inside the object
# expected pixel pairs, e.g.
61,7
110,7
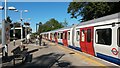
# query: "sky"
40,12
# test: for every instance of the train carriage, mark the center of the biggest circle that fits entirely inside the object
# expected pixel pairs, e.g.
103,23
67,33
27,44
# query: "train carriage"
45,35
52,38
100,37
64,36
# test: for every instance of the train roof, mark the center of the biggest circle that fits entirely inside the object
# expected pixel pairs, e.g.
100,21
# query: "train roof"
44,32
61,29
104,18
67,27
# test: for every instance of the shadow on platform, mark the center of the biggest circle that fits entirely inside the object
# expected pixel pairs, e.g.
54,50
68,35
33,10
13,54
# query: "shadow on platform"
44,61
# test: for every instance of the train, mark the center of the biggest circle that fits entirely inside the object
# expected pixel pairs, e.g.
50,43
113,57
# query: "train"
98,37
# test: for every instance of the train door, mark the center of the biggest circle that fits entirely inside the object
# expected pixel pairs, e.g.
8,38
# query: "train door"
83,40
65,42
56,41
89,40
86,41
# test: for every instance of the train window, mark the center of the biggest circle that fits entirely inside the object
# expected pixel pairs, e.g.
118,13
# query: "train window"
68,35
119,36
88,35
61,35
104,36
83,36
78,35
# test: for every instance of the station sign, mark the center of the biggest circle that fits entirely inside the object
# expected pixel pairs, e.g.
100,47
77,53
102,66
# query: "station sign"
7,32
114,51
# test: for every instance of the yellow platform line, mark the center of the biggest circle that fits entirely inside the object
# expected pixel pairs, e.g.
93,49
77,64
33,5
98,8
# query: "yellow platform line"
84,57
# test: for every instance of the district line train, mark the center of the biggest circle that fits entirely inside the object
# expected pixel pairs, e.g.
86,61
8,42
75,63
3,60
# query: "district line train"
98,37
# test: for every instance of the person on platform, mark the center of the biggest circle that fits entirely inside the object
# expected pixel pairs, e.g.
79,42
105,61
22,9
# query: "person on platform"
28,38
37,37
40,39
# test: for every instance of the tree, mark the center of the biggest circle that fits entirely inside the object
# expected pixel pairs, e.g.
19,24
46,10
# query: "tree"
65,23
92,10
52,24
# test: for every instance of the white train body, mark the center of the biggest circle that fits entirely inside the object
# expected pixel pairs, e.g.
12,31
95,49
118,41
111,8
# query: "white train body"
98,37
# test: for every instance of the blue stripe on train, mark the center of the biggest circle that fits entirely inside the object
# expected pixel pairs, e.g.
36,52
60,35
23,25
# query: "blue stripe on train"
73,47
60,43
109,58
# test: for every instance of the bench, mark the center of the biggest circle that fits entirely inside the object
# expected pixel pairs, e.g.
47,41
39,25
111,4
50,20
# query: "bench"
19,54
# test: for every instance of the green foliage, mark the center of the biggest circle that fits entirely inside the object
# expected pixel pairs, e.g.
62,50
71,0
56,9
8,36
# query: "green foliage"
92,10
52,24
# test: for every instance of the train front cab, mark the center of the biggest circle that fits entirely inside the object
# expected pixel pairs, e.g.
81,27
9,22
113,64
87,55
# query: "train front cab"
107,42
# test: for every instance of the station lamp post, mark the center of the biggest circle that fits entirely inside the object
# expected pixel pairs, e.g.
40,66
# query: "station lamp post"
36,27
4,22
21,20
27,25
37,32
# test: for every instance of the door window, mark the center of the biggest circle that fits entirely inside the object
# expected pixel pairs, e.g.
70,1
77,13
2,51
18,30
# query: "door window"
83,36
88,35
68,35
64,35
